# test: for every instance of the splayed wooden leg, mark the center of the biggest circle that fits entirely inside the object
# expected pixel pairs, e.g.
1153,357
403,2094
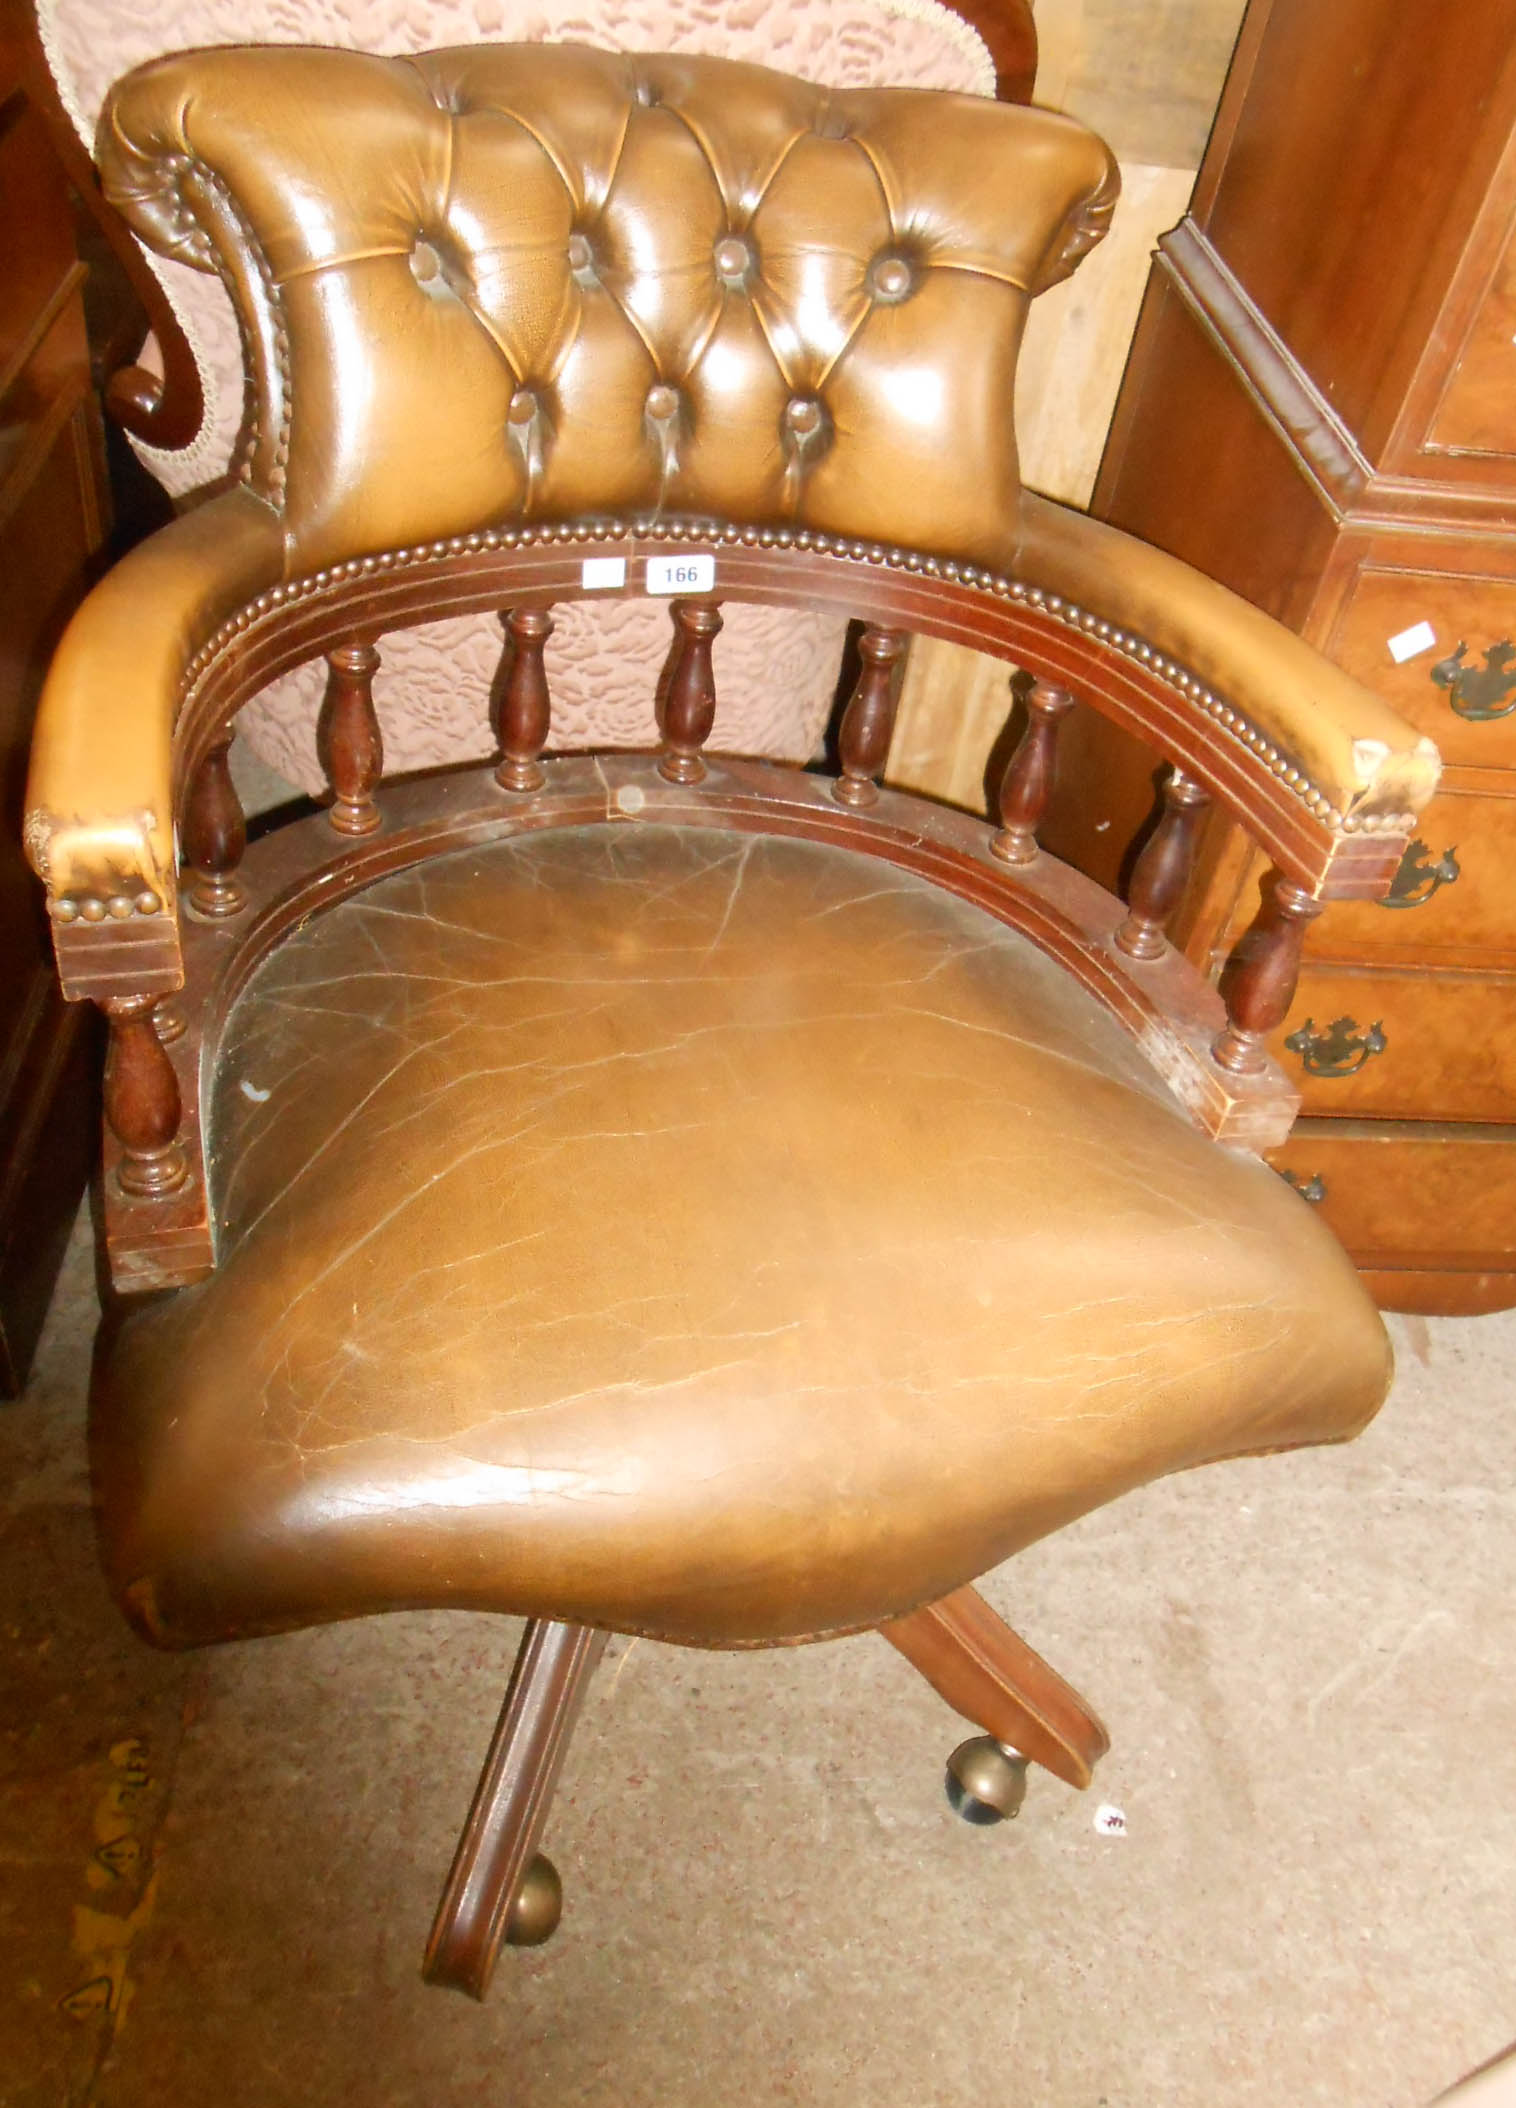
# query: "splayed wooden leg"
497,1889
987,1673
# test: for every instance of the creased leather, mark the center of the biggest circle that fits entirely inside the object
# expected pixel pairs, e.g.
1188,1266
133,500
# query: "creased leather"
715,1236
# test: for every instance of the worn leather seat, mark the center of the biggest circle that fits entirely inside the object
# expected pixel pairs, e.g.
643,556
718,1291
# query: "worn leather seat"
698,1234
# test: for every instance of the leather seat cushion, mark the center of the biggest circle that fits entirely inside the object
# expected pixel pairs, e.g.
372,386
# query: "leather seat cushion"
699,1233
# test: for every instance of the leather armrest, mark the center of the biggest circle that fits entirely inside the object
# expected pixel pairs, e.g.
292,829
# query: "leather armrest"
1349,748
99,801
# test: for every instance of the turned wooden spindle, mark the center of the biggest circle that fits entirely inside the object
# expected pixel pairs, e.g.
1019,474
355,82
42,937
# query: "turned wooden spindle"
1261,983
142,1100
1028,781
520,705
863,743
687,692
215,835
348,739
1163,869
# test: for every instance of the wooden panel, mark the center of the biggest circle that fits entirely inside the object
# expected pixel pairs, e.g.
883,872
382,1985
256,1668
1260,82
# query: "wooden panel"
1453,903
1475,412
1178,480
1475,610
1411,1197
1449,1044
36,235
1353,146
51,478
48,1107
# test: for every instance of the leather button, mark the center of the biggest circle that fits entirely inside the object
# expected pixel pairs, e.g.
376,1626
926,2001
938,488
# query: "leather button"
523,407
647,95
804,416
581,257
890,278
662,402
733,259
425,262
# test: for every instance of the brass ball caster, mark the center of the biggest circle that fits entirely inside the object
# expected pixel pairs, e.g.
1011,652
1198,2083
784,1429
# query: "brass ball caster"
986,1781
538,1906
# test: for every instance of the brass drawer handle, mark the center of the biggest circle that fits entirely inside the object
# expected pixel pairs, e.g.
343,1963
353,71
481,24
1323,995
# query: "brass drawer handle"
1341,1050
1313,1189
1419,877
1480,693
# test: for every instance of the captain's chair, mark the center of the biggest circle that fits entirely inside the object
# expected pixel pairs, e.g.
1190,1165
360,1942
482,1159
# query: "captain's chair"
653,1193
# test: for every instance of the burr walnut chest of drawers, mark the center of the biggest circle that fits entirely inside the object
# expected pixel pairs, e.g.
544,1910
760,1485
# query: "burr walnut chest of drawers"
1320,410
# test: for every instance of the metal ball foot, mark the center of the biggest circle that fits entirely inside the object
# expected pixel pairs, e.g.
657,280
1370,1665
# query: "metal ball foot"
986,1781
538,1906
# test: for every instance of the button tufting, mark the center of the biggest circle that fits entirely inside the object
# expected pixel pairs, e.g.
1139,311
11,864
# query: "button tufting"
523,407
581,257
425,262
890,278
733,259
647,95
662,402
804,416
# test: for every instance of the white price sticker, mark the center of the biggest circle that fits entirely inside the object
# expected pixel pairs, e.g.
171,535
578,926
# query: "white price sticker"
603,573
1410,643
681,574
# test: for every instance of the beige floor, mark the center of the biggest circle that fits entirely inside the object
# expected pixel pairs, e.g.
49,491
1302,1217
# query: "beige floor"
1306,1664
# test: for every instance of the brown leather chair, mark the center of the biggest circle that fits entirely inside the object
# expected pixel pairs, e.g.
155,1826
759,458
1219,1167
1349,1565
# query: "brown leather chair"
647,1193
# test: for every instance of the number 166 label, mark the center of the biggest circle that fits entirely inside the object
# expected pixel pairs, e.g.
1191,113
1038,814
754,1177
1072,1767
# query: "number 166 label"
681,574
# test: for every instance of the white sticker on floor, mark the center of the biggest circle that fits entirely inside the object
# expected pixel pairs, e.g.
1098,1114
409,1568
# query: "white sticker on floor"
601,573
1408,643
681,574
1109,1821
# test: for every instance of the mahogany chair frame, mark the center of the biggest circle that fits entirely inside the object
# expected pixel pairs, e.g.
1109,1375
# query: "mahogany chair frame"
240,901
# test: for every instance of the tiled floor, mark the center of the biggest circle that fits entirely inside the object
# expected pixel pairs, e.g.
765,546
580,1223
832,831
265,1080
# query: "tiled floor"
216,1873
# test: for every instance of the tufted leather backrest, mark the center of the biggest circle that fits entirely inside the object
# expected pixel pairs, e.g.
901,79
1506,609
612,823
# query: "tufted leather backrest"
544,282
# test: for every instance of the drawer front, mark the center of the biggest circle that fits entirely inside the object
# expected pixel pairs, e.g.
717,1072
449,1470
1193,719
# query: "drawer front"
1453,901
1413,1198
1369,1043
1460,687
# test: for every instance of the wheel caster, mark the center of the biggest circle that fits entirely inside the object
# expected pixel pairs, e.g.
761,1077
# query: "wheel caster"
538,1906
986,1780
